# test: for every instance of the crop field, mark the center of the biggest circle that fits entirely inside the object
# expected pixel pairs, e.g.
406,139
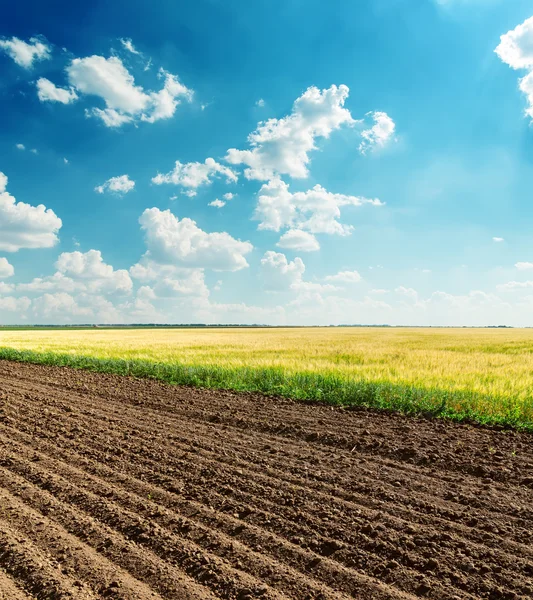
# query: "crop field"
115,484
485,375
133,489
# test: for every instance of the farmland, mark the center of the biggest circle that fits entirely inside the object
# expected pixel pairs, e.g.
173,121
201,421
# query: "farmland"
484,375
132,489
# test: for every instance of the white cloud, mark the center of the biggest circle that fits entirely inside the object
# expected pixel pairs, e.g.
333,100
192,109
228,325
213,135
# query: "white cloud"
498,239
23,225
59,305
282,146
380,134
6,288
26,53
121,184
65,160
20,146
12,304
298,240
169,280
195,174
217,203
58,282
34,151
108,79
316,210
514,285
345,277
524,266
229,196
189,193
49,92
516,46
260,103
6,269
128,45
172,241
278,274
97,276
516,50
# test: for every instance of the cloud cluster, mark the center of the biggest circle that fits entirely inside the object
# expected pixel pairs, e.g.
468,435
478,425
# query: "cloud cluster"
380,134
345,277
298,241
82,272
282,146
23,225
6,269
26,53
121,184
516,50
195,174
181,242
110,81
49,92
314,211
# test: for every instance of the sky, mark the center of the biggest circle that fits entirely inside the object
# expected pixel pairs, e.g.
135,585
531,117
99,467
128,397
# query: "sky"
281,162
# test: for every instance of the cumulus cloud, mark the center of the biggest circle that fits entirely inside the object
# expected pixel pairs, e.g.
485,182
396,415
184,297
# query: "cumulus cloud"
498,239
169,280
58,282
49,92
196,174
26,53
380,134
317,210
23,225
125,102
121,184
217,203
524,266
97,275
59,305
6,269
345,277
229,196
282,146
278,274
172,241
516,46
299,241
20,147
516,50
12,304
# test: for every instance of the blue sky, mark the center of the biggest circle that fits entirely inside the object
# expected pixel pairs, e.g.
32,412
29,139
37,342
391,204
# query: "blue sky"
280,162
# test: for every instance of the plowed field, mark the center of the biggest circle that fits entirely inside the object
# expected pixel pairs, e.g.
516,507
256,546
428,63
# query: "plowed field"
120,488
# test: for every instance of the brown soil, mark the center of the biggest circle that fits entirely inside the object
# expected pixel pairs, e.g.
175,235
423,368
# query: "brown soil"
120,488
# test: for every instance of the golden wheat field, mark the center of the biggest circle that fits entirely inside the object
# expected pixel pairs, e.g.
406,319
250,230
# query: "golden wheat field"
495,362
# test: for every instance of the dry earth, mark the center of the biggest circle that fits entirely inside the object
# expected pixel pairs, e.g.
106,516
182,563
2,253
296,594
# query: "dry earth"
119,488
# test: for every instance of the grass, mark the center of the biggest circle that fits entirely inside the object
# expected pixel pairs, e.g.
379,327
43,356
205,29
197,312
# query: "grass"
482,375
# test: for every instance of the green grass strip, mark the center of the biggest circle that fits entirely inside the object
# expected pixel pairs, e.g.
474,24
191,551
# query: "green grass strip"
308,386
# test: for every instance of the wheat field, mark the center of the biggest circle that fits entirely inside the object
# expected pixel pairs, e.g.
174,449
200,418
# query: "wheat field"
486,374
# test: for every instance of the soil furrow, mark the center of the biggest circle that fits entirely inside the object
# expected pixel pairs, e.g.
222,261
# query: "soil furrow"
9,589
242,496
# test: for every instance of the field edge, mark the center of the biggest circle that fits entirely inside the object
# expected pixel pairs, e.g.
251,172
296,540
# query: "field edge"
305,386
